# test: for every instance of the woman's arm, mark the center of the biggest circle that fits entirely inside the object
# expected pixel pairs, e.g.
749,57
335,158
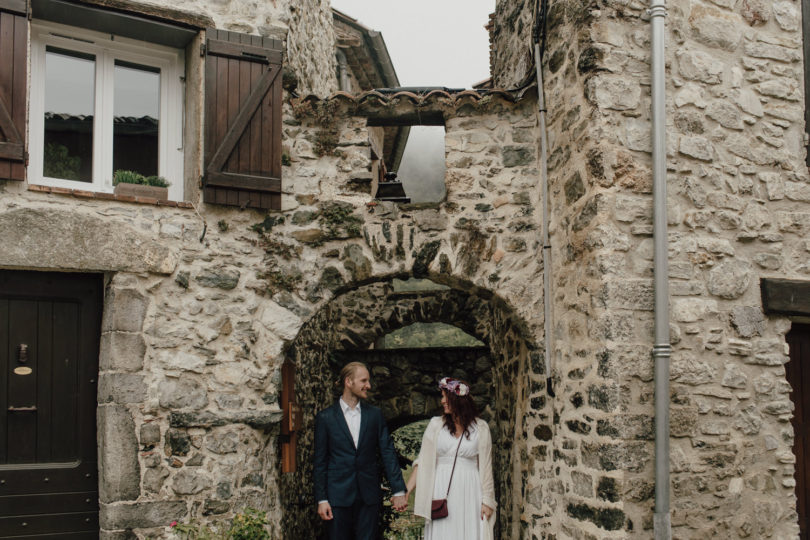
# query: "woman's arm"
409,487
485,467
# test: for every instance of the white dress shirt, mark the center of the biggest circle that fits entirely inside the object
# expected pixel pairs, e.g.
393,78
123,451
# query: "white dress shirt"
352,416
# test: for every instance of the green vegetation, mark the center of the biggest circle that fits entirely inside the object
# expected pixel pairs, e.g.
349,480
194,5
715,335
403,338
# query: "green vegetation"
423,335
249,525
417,285
122,176
58,163
339,221
405,526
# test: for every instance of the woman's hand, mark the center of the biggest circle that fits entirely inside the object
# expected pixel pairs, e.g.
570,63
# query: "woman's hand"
486,512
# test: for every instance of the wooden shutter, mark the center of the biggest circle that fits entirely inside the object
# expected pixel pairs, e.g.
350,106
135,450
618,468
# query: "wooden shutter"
242,120
13,86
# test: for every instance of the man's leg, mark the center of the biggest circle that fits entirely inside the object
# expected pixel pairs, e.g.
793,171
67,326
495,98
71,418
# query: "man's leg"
341,527
368,520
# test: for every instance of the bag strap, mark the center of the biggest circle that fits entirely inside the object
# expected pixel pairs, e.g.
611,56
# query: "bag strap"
454,465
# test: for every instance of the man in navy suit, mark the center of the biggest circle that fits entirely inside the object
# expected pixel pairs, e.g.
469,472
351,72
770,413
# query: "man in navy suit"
348,437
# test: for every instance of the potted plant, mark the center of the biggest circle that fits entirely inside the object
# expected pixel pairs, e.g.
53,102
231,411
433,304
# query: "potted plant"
137,185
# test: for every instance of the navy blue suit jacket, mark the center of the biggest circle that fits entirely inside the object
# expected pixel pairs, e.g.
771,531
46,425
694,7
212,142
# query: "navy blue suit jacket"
342,472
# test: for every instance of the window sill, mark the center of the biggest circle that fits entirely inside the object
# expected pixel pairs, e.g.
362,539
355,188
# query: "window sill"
84,194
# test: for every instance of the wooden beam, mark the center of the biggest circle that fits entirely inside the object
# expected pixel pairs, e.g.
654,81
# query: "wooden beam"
785,296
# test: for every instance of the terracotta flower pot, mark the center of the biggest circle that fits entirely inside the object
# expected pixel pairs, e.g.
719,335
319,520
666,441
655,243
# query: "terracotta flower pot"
140,190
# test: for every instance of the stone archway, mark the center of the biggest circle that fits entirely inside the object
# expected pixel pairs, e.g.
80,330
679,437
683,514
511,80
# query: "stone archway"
352,321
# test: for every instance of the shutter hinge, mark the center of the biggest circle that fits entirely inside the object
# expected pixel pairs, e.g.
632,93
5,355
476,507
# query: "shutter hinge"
202,49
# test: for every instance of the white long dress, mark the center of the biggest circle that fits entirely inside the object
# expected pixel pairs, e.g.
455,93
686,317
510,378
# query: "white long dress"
463,521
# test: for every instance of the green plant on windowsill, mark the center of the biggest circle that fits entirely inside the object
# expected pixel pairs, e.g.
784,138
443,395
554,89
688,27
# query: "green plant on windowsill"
122,176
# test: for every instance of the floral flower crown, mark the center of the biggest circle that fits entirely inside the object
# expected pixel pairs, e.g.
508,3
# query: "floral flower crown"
454,385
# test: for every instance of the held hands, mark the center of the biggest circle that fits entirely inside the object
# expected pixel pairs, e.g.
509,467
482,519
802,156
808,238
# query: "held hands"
486,512
400,502
325,511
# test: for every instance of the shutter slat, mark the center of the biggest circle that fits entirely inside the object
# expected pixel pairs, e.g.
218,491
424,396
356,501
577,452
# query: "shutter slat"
13,88
242,51
18,102
16,7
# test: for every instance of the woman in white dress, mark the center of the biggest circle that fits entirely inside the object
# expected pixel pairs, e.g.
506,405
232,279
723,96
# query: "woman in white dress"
456,444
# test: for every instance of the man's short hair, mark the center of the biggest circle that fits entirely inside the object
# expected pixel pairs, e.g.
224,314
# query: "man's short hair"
348,371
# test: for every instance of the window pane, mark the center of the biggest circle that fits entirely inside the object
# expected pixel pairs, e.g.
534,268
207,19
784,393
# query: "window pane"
137,116
69,107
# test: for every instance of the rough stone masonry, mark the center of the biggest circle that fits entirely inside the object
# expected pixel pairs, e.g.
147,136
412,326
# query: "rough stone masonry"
196,326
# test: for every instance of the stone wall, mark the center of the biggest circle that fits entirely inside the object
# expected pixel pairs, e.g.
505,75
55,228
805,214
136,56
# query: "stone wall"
737,210
201,303
511,45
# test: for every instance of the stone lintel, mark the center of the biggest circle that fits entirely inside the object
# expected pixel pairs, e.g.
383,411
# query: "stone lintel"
256,419
155,11
68,240
785,296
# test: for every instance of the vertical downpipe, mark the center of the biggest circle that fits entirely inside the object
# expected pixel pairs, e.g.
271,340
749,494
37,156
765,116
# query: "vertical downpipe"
547,323
662,349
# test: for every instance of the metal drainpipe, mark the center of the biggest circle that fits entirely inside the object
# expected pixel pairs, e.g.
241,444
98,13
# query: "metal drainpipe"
662,348
541,101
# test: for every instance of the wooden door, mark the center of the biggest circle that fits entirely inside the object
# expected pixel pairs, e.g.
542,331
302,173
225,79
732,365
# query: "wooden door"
49,334
798,375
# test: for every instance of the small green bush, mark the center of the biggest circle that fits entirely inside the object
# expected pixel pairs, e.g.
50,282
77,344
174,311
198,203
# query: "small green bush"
249,525
122,176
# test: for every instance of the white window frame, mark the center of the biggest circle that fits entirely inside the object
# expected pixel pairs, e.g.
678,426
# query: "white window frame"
107,48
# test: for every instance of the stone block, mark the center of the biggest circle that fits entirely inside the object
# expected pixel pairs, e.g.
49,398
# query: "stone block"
620,456
190,482
715,28
222,442
748,321
71,240
121,388
616,92
141,515
122,351
582,483
182,394
119,469
257,419
178,443
700,66
154,478
124,310
518,156
150,433
220,278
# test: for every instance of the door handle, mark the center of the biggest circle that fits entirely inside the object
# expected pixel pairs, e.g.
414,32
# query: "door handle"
32,408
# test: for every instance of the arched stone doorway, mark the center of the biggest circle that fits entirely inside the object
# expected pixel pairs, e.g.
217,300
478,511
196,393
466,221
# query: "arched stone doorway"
357,318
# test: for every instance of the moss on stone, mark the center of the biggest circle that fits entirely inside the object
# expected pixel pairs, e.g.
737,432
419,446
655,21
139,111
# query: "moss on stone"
338,221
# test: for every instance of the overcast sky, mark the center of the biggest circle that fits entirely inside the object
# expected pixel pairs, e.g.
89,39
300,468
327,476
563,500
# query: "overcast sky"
431,43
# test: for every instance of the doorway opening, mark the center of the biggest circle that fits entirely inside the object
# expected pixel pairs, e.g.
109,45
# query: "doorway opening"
349,327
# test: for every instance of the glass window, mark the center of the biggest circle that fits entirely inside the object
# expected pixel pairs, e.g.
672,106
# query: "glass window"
136,118
102,104
69,108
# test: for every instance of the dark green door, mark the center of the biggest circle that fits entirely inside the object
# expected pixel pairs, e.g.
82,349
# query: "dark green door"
50,326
